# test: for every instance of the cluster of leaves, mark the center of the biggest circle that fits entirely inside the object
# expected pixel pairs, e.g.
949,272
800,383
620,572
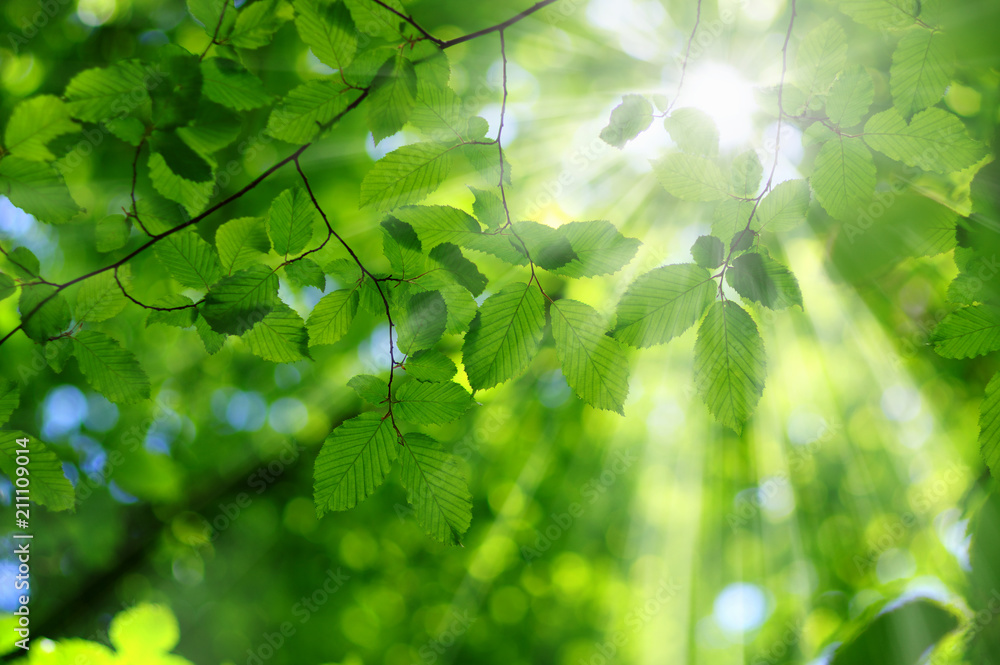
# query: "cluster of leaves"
833,101
184,108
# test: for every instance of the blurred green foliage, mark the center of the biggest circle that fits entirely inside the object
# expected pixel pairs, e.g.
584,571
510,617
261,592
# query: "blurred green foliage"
659,536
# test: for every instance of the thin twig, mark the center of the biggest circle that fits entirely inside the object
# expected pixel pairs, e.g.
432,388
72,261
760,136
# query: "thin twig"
215,35
135,177
735,242
125,293
684,64
367,273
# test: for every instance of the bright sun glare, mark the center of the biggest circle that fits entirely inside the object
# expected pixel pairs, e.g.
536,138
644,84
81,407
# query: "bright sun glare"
721,91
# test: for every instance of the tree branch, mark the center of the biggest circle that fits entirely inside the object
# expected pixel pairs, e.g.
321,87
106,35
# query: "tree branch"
290,158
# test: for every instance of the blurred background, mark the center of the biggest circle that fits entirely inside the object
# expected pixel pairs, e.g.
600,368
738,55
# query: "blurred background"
657,537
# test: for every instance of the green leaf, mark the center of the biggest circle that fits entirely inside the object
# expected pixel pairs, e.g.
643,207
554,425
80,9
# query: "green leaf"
729,364
175,100
24,263
353,462
213,341
10,397
430,403
237,302
332,317
423,322
51,319
968,332
49,485
488,208
190,260
112,233
402,247
180,158
708,252
439,114
730,217
504,336
370,388
760,278
375,20
256,23
227,82
989,426
599,249
921,70
548,248
747,173
111,370
241,242
102,94
691,178
213,128
37,189
180,318
882,14
742,241
822,55
784,207
898,636
430,365
594,364
279,337
485,160
629,119
308,108
663,303
844,177
462,270
461,308
850,97
436,488
327,29
290,221
33,123
366,64
345,271
439,224
393,96
7,286
192,195
305,272
935,140
100,297
693,131
208,12
159,214
406,175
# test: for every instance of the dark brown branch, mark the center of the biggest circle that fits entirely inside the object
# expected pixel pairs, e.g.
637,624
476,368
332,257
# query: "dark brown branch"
290,158
125,293
194,220
499,26
409,19
367,273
